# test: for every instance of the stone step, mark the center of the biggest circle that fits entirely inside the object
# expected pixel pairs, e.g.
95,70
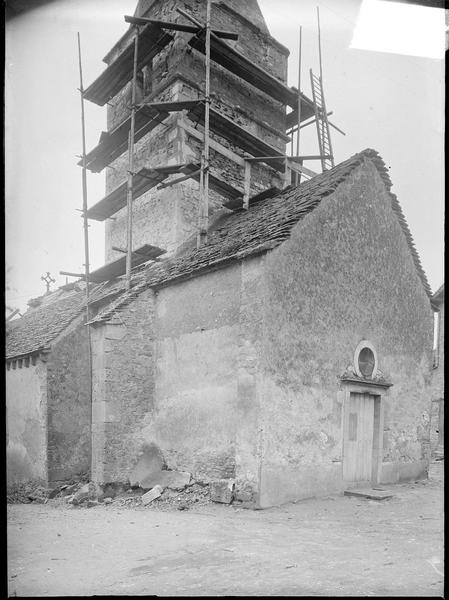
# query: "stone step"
371,494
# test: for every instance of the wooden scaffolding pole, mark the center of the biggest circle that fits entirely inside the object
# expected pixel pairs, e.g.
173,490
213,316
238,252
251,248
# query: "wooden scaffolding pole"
84,179
86,236
129,196
298,133
326,138
319,42
204,194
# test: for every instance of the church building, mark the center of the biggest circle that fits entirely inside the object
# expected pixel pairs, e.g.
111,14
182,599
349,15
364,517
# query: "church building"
290,352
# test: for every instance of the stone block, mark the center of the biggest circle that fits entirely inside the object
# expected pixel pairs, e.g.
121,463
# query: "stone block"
373,494
152,495
222,490
244,495
174,480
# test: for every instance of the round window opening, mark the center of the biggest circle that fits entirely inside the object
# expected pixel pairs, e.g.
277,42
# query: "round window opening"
365,360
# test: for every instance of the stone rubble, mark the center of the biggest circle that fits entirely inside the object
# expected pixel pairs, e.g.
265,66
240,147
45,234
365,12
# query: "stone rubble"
154,493
222,490
176,490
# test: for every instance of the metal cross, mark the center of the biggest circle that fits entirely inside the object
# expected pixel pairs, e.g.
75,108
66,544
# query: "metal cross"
48,279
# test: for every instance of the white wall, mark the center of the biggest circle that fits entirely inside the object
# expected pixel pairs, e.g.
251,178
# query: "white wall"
26,423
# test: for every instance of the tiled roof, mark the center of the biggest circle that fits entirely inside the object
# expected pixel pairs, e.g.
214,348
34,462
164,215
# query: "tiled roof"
37,328
264,226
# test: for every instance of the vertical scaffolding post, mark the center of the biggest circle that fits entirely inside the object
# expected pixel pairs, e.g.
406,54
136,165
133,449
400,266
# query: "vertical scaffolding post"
319,42
84,176
129,196
286,174
321,120
86,231
247,185
204,198
298,134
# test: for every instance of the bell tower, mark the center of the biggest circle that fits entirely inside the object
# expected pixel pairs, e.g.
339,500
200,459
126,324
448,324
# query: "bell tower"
249,98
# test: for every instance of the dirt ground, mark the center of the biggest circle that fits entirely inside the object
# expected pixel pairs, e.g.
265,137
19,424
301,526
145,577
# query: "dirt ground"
337,546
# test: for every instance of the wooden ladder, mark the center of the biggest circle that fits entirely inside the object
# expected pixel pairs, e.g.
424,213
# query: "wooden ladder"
322,123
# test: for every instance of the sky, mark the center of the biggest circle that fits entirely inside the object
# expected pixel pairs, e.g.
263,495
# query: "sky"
383,78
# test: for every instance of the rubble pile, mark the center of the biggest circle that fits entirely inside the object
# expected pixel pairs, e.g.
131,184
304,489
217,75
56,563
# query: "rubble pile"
193,495
24,493
161,490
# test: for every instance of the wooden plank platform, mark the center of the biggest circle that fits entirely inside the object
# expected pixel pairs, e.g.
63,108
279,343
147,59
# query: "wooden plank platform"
146,179
216,183
118,267
237,203
152,39
175,106
237,63
143,180
233,132
114,143
229,35
371,494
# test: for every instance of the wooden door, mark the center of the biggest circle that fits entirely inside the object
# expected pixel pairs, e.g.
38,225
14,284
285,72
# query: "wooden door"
358,436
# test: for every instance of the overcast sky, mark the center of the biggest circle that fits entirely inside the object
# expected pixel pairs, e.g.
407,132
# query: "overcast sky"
390,100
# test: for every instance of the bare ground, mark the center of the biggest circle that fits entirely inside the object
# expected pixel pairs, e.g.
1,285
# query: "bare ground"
338,546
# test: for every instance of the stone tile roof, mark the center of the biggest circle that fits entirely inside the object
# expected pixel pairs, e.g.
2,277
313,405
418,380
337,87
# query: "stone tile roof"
38,327
264,226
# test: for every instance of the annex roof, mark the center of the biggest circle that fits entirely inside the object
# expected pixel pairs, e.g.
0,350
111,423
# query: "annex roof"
38,327
264,226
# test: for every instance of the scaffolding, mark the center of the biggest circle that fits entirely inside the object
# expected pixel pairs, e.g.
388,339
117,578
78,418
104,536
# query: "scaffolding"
149,38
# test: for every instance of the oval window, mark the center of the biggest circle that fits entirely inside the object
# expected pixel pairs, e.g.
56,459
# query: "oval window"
365,360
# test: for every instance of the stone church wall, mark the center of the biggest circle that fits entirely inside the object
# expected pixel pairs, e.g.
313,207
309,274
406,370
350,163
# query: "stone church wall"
178,373
345,275
122,388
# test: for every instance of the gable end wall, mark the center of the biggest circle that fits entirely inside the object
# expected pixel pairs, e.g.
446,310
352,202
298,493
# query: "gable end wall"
346,274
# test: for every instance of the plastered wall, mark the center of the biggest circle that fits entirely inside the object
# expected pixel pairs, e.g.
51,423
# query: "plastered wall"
69,408
345,275
26,423
178,372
